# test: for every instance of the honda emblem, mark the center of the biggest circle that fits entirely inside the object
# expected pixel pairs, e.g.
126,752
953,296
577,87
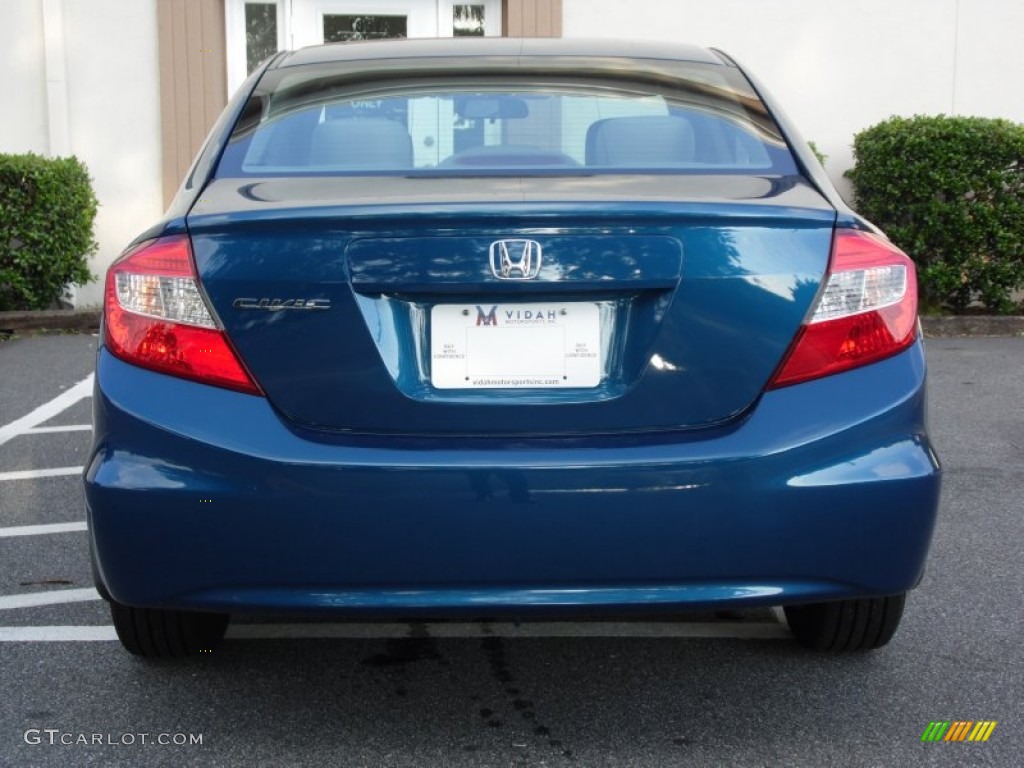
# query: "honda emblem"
515,259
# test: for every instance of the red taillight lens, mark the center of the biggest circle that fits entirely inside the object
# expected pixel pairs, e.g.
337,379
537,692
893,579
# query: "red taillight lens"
155,317
867,312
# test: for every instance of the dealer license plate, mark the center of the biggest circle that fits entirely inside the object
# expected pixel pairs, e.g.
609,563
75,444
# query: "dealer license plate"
515,346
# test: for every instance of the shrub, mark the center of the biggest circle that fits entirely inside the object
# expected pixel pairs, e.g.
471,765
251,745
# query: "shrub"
818,153
950,192
47,209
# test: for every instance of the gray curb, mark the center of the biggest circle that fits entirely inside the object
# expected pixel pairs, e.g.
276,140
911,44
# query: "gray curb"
934,325
973,325
51,320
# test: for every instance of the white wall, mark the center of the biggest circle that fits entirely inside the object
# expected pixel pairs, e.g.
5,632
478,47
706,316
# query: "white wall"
839,67
23,126
114,115
111,106
990,59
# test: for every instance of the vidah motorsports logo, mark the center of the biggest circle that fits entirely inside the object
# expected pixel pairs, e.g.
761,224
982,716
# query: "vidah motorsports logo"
487,318
528,316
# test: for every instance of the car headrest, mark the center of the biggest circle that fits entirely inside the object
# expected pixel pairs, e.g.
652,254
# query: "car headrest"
644,141
361,142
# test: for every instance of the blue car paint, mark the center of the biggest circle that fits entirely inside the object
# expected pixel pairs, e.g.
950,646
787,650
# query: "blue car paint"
716,288
204,498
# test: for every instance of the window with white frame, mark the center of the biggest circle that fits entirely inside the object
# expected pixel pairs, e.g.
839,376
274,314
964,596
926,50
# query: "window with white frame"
257,29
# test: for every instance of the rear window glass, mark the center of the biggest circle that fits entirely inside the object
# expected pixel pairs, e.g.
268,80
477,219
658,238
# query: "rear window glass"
298,123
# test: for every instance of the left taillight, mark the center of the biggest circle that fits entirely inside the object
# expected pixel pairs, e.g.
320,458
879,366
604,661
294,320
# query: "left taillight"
156,317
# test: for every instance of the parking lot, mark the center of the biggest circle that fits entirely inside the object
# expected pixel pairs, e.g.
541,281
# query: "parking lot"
725,690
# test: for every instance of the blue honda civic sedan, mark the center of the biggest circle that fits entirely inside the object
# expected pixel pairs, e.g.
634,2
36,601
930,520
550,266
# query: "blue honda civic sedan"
499,327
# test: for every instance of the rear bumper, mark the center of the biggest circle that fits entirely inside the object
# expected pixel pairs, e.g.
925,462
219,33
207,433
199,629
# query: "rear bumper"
201,498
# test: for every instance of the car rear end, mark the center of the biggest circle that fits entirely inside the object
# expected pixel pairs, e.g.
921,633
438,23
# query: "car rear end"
509,328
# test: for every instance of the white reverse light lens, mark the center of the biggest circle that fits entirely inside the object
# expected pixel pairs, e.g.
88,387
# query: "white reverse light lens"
861,290
175,299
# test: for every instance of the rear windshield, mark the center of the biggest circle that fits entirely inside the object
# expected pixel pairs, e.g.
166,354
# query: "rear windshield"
302,122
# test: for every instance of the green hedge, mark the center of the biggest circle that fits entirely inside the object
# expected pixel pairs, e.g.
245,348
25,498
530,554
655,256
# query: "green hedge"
47,209
950,192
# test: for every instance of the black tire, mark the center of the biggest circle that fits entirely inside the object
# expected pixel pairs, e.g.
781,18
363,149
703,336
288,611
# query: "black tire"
162,634
846,625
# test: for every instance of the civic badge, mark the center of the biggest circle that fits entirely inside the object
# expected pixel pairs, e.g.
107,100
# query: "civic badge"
515,259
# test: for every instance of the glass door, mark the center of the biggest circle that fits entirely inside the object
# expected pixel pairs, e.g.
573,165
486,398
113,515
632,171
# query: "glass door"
256,29
469,19
337,21
259,27
343,27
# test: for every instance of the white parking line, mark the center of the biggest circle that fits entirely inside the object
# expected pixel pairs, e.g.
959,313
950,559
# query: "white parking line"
56,634
52,597
47,411
36,530
33,474
64,428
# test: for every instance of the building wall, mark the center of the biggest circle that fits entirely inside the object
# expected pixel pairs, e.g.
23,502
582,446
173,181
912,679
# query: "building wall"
101,104
532,18
114,111
193,81
22,56
840,67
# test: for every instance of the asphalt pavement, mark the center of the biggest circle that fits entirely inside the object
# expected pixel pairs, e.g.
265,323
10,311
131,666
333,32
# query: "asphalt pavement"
731,690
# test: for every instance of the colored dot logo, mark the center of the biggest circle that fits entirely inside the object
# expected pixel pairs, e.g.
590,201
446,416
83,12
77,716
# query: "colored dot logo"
958,730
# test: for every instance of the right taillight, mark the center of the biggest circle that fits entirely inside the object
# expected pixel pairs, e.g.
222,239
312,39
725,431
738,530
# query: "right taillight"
868,311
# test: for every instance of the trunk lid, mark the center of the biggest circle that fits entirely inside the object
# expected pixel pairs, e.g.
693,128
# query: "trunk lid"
660,302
